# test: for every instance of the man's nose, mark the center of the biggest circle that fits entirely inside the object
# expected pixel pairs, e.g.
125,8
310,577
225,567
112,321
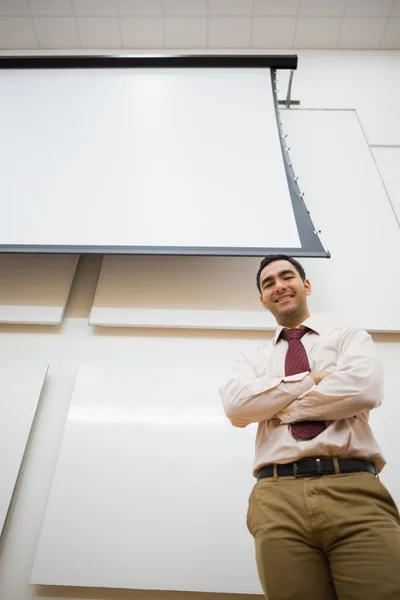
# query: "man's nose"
280,285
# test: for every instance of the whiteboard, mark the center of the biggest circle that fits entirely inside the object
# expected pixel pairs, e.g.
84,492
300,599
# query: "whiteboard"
343,190
150,472
35,288
143,160
20,389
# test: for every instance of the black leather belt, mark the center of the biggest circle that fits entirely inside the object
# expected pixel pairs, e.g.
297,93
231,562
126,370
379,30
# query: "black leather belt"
309,467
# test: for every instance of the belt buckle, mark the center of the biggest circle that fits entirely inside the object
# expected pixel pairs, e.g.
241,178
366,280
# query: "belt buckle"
296,469
296,473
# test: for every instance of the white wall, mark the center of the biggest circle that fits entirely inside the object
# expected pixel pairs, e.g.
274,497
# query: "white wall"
367,82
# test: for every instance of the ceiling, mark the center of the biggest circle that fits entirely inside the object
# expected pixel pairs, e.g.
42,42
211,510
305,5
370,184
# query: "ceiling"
197,24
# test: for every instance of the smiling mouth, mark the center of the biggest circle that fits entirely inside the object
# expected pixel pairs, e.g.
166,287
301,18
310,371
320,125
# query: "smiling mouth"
283,298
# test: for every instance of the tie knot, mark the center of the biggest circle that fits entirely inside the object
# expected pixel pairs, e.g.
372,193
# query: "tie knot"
293,334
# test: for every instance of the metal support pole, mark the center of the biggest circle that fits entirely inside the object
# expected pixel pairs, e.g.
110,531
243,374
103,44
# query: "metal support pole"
288,102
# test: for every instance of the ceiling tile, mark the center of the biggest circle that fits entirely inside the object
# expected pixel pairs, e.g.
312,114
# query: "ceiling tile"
326,8
317,32
276,7
56,32
273,32
396,8
229,32
142,32
47,8
13,8
361,33
186,32
17,32
140,7
368,8
391,38
96,8
99,32
185,7
230,8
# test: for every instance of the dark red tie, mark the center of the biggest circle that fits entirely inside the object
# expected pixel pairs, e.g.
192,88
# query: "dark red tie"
297,362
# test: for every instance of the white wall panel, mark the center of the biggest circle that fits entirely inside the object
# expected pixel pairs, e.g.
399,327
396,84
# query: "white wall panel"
34,288
388,163
344,192
393,190
150,472
20,388
147,291
367,82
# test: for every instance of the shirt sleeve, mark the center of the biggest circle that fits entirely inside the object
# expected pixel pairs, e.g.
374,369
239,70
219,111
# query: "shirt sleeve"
355,387
249,399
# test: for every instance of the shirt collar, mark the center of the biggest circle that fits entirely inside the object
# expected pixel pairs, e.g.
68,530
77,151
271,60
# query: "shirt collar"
310,323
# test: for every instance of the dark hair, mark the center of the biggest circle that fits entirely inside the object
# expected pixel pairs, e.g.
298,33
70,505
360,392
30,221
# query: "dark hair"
272,258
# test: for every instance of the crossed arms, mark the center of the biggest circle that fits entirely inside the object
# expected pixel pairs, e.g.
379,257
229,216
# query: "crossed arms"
354,387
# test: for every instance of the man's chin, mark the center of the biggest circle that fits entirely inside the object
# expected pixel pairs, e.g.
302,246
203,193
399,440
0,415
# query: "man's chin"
286,311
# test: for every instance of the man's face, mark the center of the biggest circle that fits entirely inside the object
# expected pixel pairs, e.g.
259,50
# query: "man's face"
283,292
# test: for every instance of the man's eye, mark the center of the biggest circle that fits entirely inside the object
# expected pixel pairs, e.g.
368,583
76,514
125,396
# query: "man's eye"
290,277
267,285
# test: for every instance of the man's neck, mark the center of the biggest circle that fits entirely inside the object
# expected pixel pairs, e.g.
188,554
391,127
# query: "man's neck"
294,321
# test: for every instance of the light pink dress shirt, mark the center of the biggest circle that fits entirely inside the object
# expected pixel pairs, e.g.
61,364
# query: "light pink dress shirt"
259,392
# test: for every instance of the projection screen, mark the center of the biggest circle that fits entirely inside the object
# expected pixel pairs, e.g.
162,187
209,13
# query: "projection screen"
156,155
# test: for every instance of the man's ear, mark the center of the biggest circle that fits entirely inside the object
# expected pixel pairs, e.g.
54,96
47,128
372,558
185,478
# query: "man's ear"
308,288
261,300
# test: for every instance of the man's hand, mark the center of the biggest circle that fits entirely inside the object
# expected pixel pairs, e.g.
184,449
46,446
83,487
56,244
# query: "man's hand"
318,376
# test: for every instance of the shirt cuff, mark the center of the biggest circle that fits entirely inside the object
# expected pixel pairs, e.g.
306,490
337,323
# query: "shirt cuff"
297,385
296,377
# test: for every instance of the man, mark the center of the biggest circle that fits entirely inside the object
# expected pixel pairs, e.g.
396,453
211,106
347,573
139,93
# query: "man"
325,527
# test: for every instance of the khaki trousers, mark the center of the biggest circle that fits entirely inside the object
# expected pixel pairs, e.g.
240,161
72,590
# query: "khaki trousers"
333,537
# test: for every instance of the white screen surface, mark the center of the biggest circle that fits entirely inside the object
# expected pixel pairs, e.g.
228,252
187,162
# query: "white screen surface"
144,158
